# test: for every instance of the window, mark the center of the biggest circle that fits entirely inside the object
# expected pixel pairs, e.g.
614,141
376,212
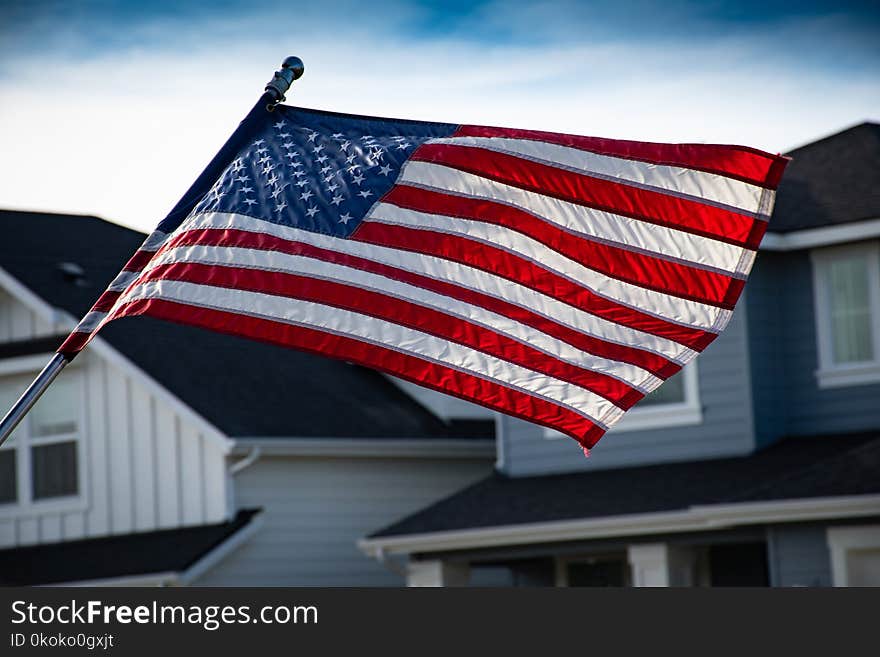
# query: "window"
676,403
846,284
41,462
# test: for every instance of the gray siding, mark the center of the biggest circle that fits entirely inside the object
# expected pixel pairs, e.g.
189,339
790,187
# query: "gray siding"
315,509
798,556
726,428
784,356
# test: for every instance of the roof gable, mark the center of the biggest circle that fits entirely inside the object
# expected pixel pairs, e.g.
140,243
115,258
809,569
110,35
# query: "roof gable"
832,181
245,388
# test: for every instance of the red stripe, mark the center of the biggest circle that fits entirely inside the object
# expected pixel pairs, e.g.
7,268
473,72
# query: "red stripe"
654,363
738,162
139,260
411,368
504,264
642,204
405,313
74,343
637,268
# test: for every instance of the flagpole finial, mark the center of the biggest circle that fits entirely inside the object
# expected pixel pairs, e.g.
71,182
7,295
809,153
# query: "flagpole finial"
292,69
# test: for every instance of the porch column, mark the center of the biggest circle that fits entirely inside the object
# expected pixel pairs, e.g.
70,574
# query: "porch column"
658,564
437,573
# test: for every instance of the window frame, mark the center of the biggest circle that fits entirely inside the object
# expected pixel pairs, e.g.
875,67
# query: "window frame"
660,416
25,504
828,373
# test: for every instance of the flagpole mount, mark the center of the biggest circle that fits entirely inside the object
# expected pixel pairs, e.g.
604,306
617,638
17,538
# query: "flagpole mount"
291,69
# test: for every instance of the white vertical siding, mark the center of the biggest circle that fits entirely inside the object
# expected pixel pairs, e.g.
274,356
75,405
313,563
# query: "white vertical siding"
315,509
145,466
168,468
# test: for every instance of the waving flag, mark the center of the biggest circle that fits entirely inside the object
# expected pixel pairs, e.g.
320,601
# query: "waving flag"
552,277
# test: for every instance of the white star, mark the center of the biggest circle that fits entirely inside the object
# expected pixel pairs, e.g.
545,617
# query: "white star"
272,180
322,159
317,149
268,169
259,142
385,170
333,187
402,146
367,138
242,179
313,136
264,159
311,212
249,201
328,179
302,183
288,145
366,193
292,156
398,138
280,125
295,165
344,219
337,199
283,135
246,190
344,145
276,192
353,167
306,195
298,173
358,179
262,150
337,135
326,169
280,206
351,158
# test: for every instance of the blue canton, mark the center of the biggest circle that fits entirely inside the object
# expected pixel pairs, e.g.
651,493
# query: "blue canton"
316,171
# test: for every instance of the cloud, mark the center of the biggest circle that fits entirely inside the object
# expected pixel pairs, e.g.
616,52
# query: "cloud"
122,131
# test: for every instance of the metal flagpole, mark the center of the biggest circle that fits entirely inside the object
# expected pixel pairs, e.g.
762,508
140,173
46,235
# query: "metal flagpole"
291,69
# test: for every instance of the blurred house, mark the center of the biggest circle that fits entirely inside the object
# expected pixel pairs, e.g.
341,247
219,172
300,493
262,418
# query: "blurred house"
169,455
757,465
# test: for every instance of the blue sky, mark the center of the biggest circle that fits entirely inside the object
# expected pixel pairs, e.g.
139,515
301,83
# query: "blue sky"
112,108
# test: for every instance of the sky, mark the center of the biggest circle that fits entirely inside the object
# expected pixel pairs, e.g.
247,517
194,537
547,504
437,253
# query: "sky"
113,108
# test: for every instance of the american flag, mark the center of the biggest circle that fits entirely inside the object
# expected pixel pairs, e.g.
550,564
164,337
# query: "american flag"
552,277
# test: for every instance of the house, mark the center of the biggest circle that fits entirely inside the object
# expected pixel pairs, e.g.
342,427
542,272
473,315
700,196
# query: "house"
758,464
167,455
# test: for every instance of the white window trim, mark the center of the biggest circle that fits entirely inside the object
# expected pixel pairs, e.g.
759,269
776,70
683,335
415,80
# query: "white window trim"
842,541
830,374
25,506
660,416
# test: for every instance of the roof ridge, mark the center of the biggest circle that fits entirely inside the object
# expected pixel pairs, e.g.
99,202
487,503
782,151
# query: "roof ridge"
833,135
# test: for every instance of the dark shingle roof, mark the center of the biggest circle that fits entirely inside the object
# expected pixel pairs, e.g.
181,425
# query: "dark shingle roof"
835,180
792,469
145,553
245,388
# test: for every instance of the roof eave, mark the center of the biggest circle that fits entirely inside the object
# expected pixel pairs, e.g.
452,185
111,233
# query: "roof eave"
694,518
367,447
824,236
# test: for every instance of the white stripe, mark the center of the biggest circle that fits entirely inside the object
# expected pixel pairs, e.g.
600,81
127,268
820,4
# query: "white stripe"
123,280
709,186
590,222
90,322
375,331
461,275
683,311
154,241
291,264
